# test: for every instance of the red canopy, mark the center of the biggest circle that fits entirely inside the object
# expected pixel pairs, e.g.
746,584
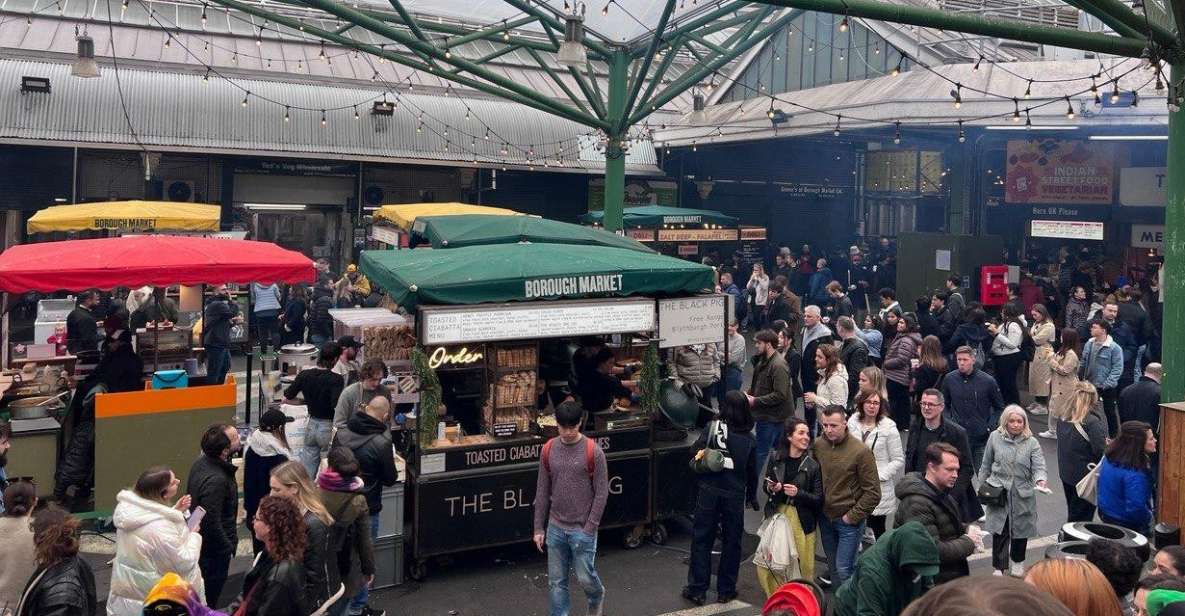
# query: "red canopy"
156,260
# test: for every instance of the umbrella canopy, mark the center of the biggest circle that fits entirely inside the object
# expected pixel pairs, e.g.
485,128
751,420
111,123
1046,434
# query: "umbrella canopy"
474,230
657,216
519,272
156,260
137,216
403,215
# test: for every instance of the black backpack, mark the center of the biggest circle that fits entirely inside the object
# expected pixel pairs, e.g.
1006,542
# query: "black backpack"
1028,349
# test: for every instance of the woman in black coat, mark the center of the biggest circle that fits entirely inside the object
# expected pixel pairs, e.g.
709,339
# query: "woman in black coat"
293,318
794,483
63,584
1081,442
266,449
720,501
275,586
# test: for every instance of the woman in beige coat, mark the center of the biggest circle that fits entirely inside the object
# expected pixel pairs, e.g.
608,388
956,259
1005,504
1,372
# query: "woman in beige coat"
1063,366
1042,331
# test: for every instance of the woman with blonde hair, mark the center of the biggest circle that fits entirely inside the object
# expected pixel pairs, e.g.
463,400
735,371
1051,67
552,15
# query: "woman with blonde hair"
931,369
1013,469
1042,331
1063,376
1077,584
1082,437
290,480
872,380
758,291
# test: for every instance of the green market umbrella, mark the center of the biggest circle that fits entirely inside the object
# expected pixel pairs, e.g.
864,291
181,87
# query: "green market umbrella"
477,229
523,272
656,216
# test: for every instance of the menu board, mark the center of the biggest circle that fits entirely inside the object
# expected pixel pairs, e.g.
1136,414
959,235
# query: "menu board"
690,320
472,324
1068,229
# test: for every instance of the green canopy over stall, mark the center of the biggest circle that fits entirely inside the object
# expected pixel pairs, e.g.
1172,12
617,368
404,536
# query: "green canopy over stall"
478,229
657,216
521,272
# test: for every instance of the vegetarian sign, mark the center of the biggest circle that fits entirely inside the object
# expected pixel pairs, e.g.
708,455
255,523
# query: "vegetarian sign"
1057,171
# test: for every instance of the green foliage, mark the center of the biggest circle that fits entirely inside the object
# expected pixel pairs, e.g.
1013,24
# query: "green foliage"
650,380
430,398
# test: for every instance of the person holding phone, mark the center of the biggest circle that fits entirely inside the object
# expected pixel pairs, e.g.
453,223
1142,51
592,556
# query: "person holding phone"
152,538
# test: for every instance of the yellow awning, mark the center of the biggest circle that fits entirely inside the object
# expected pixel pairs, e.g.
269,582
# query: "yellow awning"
403,215
127,216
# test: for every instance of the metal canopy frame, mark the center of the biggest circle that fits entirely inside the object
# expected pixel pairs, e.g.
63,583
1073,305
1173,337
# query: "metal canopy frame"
637,70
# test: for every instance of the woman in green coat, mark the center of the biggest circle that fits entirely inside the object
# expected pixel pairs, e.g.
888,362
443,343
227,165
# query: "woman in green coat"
1012,460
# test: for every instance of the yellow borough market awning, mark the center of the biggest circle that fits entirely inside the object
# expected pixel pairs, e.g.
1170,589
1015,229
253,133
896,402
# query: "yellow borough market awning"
127,216
403,215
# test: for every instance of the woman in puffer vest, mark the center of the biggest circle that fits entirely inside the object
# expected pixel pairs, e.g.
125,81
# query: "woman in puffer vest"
151,539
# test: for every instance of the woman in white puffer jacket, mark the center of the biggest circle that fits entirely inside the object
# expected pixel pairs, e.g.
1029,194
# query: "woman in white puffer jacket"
151,539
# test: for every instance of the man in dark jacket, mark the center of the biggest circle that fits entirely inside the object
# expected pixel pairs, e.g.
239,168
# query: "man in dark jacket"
925,498
932,427
220,314
212,487
853,354
955,302
943,317
368,436
320,323
82,327
769,393
1141,401
974,400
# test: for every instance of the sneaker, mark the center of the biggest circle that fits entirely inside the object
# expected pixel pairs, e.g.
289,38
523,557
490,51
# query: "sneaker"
1039,409
997,572
370,611
1017,570
1049,434
824,581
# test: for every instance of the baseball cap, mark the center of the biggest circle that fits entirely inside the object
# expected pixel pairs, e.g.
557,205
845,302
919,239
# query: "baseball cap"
854,250
351,268
347,342
274,418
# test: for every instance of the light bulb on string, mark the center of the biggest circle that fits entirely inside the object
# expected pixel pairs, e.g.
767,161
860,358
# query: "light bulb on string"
204,16
1029,90
235,58
958,94
1115,93
356,116
836,131
1135,99
321,53
1028,121
897,69
977,61
897,134
168,40
448,54
299,65
323,121
466,113
287,116
122,8
487,136
843,24
605,9
245,97
206,77
1015,110
876,50
1069,109
962,134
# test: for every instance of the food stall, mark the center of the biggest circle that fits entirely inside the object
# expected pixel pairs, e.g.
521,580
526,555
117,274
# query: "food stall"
393,223
123,217
169,415
684,232
484,316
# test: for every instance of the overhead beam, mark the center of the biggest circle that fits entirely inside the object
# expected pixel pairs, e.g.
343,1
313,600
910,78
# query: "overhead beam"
1115,24
487,32
710,17
591,94
971,24
560,82
410,22
384,29
644,67
550,21
533,101
1114,11
1178,11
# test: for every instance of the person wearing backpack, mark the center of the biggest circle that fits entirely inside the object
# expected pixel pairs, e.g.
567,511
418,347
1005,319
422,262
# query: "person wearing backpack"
721,494
570,496
350,554
1007,352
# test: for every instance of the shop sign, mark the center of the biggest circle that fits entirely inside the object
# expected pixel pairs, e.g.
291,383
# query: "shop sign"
642,235
572,285
813,191
687,321
752,233
637,192
471,325
1143,186
1148,236
466,512
443,356
1068,229
291,167
1057,171
385,235
697,235
517,452
688,250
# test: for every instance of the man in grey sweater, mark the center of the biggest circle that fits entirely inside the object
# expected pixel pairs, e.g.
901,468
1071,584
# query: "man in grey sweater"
358,395
570,497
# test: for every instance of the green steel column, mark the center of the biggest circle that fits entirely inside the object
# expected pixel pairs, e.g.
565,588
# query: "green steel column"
1173,292
614,154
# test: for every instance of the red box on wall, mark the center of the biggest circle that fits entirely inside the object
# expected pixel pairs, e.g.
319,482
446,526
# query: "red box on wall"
993,285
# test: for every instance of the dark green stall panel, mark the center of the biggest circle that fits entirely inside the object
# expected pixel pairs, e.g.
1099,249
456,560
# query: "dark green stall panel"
917,255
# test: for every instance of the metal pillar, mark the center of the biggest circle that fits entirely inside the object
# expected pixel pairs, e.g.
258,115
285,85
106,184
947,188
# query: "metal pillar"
614,152
1173,291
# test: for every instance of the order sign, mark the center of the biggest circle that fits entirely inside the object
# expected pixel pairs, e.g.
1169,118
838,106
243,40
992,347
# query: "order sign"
691,320
470,324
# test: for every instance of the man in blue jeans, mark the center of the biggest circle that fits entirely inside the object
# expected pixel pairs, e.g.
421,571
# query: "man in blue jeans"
570,497
769,393
219,315
851,491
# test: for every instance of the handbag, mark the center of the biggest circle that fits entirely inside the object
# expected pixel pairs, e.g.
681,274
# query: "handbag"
990,495
1088,487
710,459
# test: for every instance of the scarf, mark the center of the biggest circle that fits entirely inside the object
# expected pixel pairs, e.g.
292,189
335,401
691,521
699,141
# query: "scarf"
331,481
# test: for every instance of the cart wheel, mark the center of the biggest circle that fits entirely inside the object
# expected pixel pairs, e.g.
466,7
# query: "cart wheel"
658,533
418,571
633,538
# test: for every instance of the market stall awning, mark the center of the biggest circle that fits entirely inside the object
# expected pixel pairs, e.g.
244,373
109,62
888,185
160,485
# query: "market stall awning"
128,216
658,216
480,229
157,260
520,272
403,215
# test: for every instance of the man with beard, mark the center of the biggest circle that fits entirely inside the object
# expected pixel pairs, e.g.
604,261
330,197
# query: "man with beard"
925,497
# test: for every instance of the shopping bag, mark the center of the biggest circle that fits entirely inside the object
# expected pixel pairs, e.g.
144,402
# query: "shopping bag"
1088,487
776,550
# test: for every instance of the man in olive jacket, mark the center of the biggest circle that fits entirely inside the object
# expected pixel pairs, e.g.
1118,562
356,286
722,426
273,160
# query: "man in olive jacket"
769,393
852,489
925,498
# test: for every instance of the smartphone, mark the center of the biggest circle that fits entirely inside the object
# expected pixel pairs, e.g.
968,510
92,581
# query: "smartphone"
195,518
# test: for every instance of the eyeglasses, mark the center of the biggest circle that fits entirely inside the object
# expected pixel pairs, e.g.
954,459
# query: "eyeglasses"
931,405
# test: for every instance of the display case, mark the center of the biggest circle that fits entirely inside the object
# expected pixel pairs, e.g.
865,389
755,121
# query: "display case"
513,374
386,335
164,347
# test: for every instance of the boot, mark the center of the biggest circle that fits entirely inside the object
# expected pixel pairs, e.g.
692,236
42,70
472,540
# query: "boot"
1017,569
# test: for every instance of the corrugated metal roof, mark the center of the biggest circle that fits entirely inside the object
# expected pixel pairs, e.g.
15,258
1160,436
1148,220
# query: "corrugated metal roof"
170,110
922,96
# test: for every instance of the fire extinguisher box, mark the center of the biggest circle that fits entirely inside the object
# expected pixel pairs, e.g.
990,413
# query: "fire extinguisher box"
993,285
